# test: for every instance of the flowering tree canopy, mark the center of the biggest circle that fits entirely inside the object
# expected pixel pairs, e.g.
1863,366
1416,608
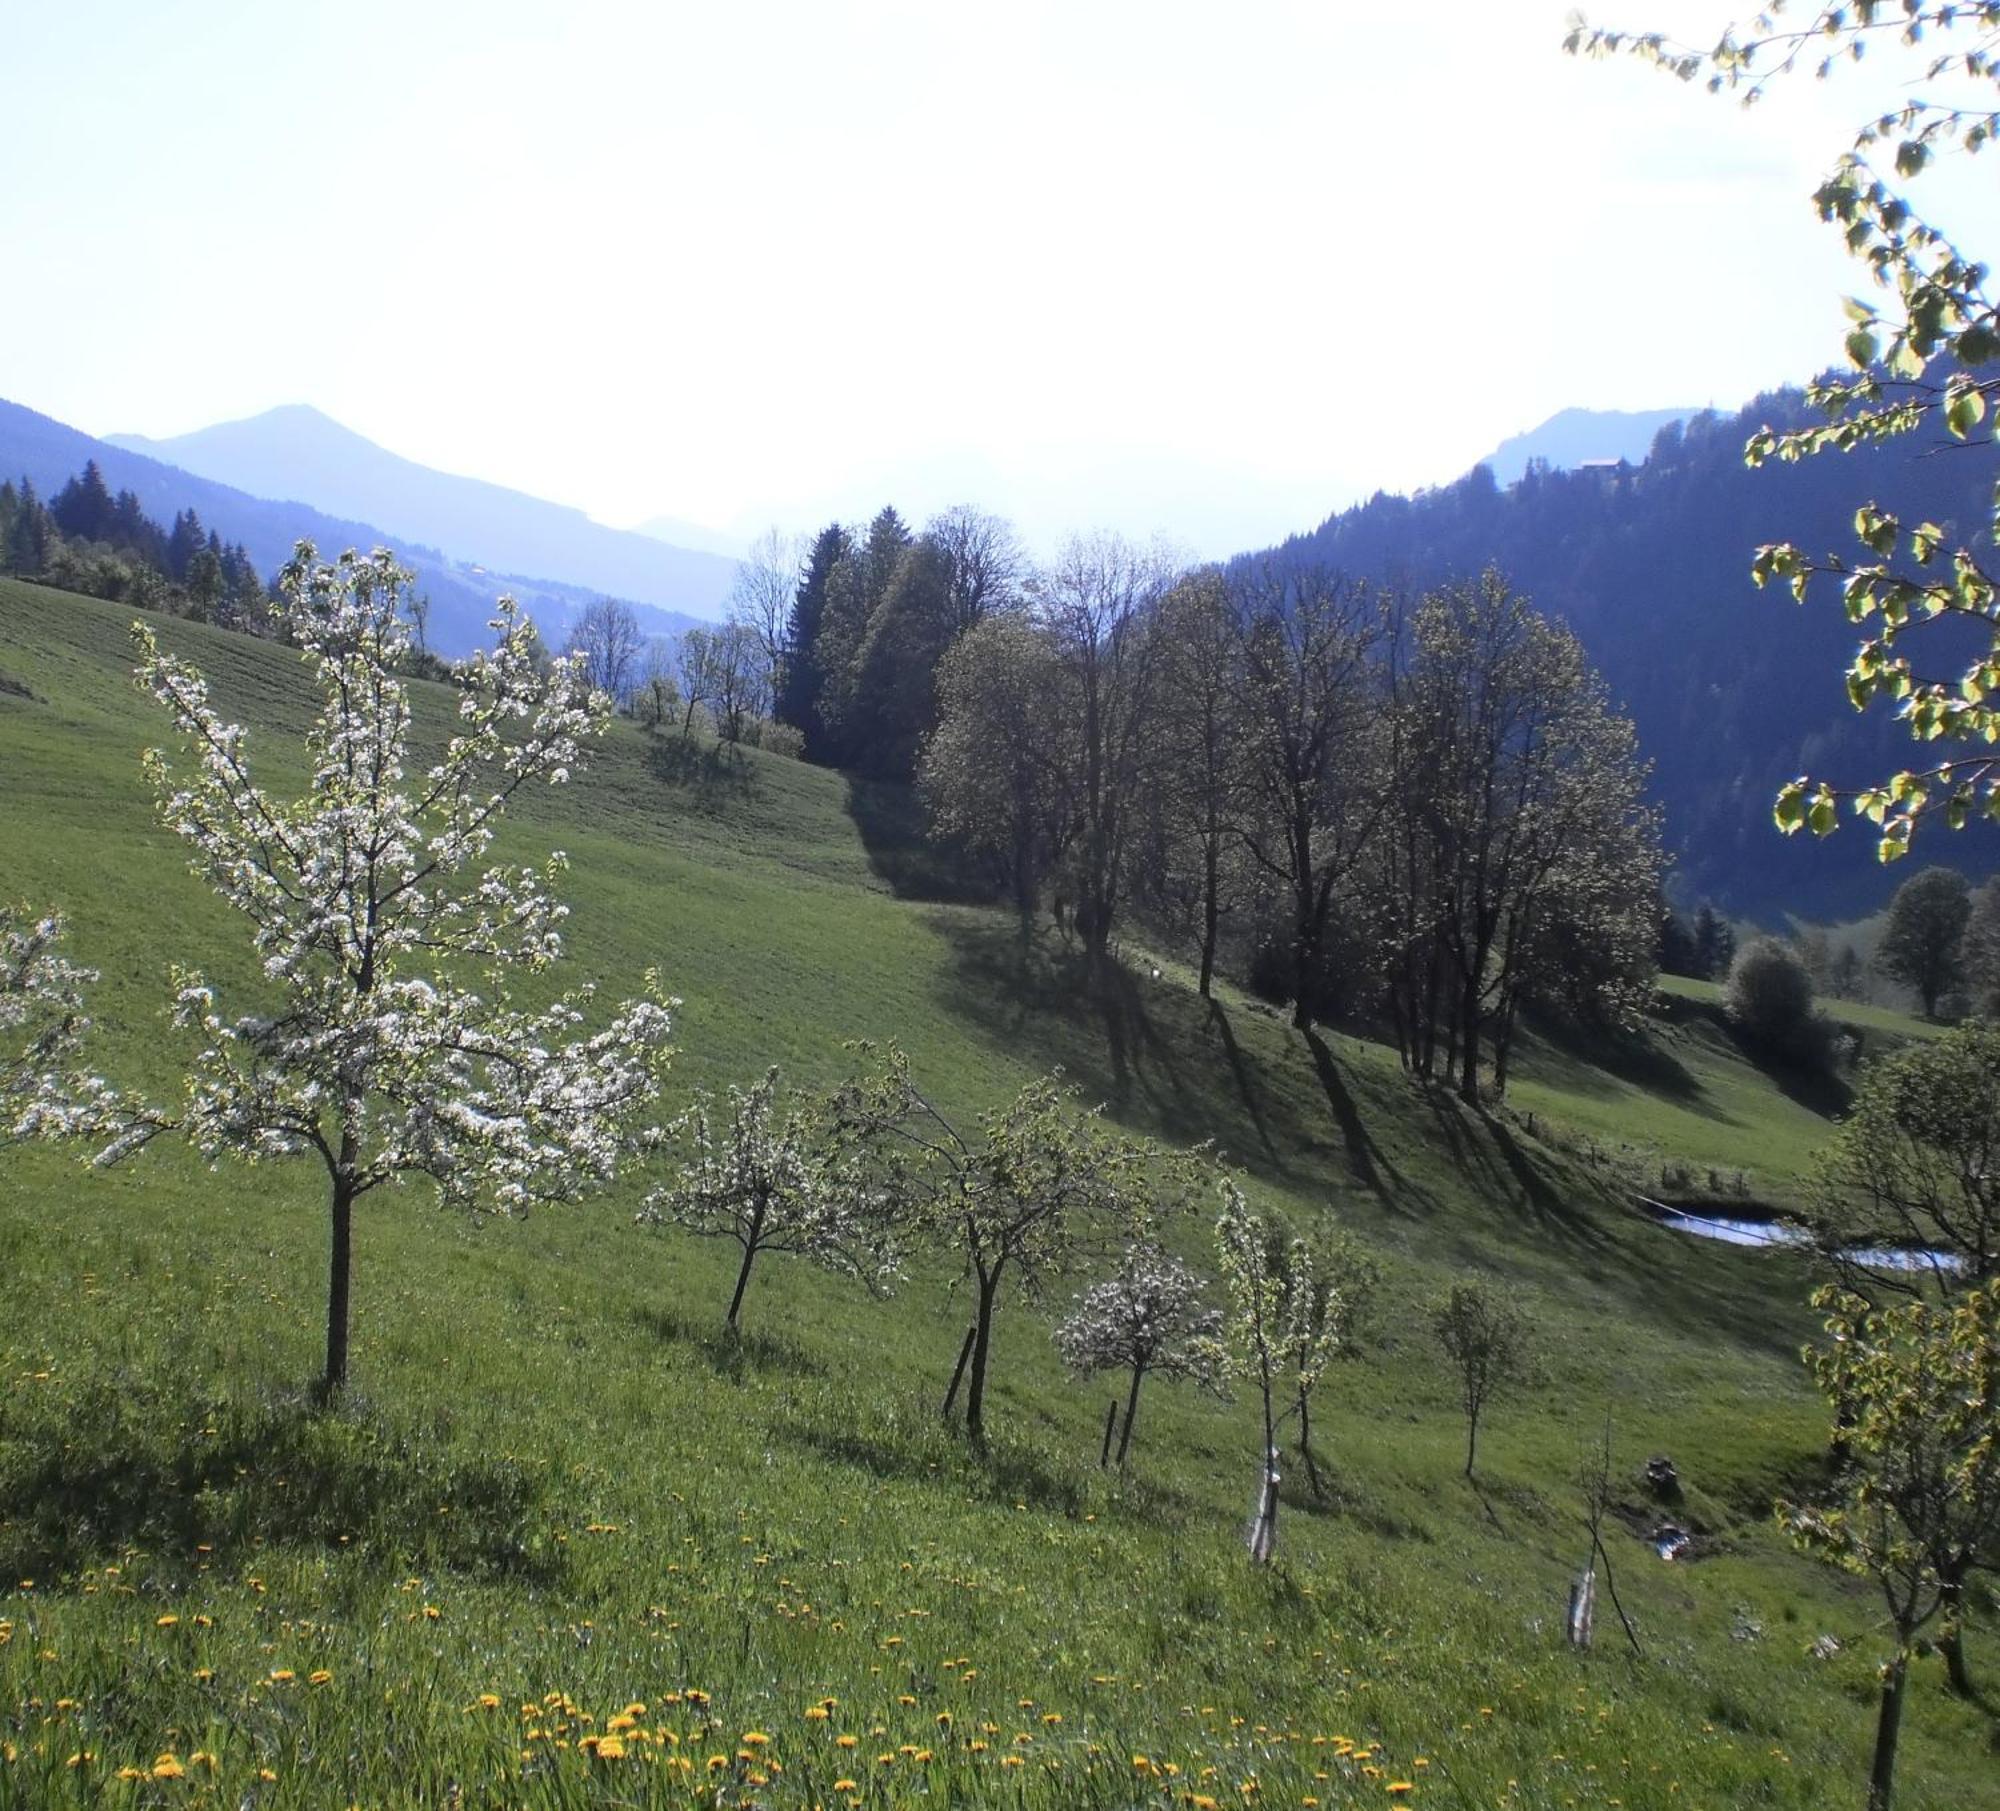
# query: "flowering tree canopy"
773,1185
1041,1182
41,1026
370,903
1291,1311
1148,1318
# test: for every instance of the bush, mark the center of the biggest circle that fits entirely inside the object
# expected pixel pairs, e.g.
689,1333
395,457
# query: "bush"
775,738
1770,1002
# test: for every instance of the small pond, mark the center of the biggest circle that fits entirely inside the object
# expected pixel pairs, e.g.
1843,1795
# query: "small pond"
1738,1231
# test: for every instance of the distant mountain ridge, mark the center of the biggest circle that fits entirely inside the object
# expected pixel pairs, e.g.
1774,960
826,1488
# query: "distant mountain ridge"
1574,437
48,453
295,452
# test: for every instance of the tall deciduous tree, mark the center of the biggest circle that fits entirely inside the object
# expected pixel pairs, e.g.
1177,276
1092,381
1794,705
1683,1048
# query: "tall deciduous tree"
606,640
994,772
1916,1501
1311,725
1200,779
1920,943
370,904
1094,603
761,597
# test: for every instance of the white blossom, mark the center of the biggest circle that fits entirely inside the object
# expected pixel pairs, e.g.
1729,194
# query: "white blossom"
41,1029
371,911
772,1184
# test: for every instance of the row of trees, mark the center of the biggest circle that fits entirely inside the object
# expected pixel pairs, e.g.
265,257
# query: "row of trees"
861,1176
85,539
1423,809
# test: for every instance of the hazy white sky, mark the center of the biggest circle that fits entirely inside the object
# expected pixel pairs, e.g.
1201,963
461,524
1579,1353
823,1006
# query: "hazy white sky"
1208,269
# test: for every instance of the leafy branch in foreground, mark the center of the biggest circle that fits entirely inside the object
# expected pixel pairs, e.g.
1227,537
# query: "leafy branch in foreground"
369,903
1922,358
1916,1504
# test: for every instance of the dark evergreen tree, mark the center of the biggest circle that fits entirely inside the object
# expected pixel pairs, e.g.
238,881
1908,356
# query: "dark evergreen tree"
1714,944
800,686
184,541
83,509
30,536
911,626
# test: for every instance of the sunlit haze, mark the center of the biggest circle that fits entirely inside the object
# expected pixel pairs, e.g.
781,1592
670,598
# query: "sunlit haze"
1210,271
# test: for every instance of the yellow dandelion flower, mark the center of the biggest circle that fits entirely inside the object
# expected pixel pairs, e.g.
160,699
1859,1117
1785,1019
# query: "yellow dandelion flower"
817,1714
1396,1788
944,1719
165,1622
282,1675
610,1748
756,1738
319,1676
1012,1760
1052,1716
977,1746
845,1786
168,1768
846,1741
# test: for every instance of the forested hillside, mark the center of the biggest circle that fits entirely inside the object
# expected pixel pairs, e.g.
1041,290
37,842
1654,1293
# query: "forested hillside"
1733,690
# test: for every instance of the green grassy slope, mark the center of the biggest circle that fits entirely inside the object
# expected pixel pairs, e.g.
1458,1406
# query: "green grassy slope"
602,1502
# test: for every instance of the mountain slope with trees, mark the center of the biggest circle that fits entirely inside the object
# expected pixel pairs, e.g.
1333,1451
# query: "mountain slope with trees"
1734,690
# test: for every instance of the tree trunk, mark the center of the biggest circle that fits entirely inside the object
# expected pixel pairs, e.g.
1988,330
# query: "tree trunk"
1306,1450
1131,1409
1471,1439
1468,1087
1951,1595
1211,913
742,1283
957,1375
338,1285
1888,1725
982,1341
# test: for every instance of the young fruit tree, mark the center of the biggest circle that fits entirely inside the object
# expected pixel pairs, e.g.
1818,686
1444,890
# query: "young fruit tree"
1917,1503
371,905
1150,1320
41,1027
1037,1188
773,1184
1485,1340
1287,1319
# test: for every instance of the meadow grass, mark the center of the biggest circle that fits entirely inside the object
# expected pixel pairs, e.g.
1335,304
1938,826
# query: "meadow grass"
564,1544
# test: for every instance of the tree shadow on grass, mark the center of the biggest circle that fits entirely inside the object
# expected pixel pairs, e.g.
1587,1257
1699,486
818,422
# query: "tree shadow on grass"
712,776
895,830
732,1353
196,1481
1591,1061
1363,1156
